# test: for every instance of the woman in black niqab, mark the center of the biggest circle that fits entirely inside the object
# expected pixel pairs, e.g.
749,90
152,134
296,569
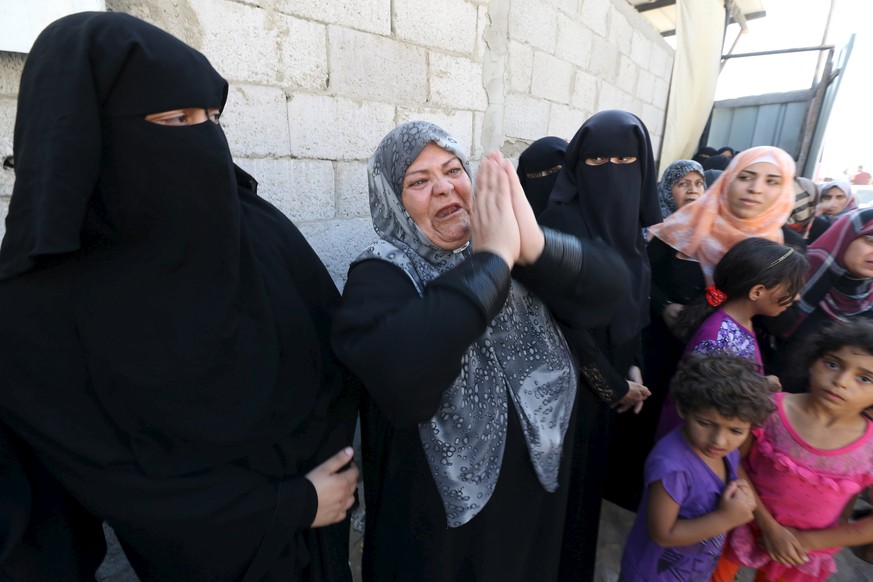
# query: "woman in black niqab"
606,190
538,168
167,341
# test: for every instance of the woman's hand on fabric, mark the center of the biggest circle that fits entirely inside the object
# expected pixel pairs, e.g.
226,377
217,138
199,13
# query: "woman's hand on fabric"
335,487
671,315
531,236
783,546
636,393
495,228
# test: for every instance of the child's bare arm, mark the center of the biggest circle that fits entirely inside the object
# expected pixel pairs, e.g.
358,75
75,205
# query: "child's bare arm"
849,534
667,530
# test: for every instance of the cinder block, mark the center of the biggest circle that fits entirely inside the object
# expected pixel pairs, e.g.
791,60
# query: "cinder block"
302,48
448,24
620,31
645,86
367,15
338,243
255,121
569,7
585,91
594,14
4,209
653,117
458,123
336,129
519,67
534,22
478,149
611,97
456,83
565,121
574,41
240,41
604,59
662,90
11,65
367,66
525,117
641,49
302,189
352,195
661,63
552,78
627,74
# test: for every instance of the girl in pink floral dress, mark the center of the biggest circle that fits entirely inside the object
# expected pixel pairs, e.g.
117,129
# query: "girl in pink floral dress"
810,459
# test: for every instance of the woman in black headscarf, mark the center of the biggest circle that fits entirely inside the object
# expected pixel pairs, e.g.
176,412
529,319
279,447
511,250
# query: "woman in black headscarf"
607,190
449,320
165,352
538,168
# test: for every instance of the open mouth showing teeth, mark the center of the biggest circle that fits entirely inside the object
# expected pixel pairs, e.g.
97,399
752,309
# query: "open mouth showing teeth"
448,211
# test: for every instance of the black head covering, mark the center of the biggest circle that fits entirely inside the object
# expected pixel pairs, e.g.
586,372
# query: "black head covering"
615,201
719,162
203,314
710,176
703,153
534,164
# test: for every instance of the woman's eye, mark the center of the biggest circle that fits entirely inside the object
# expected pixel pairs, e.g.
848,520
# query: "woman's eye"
454,171
598,161
624,160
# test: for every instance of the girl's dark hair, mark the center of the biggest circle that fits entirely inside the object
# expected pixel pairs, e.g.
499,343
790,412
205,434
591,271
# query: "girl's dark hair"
856,333
752,261
723,382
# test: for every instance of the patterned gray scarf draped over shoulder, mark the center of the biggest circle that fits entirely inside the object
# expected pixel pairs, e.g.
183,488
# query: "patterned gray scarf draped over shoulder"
521,357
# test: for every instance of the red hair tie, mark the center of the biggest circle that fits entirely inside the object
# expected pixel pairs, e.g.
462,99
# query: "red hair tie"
715,297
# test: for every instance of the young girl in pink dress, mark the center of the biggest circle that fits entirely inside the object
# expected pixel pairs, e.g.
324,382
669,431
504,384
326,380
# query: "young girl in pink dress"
810,459
755,277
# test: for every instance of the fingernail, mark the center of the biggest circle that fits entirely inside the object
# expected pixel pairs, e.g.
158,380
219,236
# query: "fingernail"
349,451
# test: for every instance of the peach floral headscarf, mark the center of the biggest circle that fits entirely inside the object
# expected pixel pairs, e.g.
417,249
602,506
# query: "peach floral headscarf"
706,229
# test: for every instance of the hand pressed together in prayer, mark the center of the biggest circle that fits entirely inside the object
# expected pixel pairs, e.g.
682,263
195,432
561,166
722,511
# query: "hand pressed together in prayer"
503,222
335,487
636,394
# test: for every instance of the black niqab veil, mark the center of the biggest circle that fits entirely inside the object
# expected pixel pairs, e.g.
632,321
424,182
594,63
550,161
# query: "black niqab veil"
202,313
615,201
540,157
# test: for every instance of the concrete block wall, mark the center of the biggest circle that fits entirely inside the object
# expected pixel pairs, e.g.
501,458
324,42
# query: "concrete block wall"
315,84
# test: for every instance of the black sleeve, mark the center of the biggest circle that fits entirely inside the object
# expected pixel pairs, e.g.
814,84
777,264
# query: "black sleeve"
596,373
793,239
659,256
580,281
406,348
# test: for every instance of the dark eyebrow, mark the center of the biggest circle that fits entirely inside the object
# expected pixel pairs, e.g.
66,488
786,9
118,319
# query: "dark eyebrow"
754,173
443,165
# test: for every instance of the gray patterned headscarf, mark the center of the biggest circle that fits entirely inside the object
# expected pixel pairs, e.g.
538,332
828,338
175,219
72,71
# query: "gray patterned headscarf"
521,355
673,174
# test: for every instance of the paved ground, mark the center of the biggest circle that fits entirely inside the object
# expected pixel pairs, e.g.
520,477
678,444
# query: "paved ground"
614,524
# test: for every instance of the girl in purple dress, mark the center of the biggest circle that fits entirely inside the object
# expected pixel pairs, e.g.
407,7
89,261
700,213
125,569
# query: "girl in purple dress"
755,277
692,496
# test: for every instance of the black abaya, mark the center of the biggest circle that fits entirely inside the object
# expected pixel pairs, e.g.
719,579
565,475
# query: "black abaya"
166,349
